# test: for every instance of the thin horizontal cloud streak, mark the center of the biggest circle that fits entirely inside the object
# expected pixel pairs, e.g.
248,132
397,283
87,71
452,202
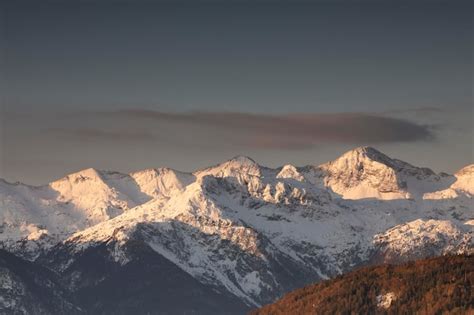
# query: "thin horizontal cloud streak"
291,131
87,134
241,130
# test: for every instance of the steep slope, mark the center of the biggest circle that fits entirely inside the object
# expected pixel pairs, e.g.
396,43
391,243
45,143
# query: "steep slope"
433,286
32,218
27,288
200,237
367,173
423,238
465,179
463,186
148,283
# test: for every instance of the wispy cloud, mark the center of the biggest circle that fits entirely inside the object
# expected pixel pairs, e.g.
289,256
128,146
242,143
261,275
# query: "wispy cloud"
290,131
85,134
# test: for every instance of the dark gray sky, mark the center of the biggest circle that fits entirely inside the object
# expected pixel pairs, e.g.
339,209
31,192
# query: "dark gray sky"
131,84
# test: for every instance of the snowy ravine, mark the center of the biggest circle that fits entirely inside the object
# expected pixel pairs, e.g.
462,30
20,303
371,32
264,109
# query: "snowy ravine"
248,232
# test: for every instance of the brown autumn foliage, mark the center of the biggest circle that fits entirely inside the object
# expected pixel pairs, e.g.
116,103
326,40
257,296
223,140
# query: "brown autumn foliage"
441,285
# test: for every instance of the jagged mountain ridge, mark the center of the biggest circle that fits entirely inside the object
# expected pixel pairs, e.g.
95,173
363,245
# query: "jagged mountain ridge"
244,229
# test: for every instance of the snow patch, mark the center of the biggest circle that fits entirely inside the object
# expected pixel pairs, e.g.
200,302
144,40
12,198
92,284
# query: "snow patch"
385,300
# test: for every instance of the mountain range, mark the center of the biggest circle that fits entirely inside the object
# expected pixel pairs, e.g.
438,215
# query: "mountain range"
222,240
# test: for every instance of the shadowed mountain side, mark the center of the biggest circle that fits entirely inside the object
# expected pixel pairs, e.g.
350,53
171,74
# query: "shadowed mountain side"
96,274
149,284
28,288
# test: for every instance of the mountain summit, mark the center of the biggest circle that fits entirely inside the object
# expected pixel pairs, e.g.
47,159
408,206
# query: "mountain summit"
367,173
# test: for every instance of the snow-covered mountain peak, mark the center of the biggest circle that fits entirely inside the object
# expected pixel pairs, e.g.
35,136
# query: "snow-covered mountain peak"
363,173
465,179
241,167
290,171
243,160
361,156
357,157
368,173
368,151
467,171
93,192
82,175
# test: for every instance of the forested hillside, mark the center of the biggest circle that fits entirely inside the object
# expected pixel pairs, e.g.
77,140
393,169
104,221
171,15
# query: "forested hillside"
441,285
